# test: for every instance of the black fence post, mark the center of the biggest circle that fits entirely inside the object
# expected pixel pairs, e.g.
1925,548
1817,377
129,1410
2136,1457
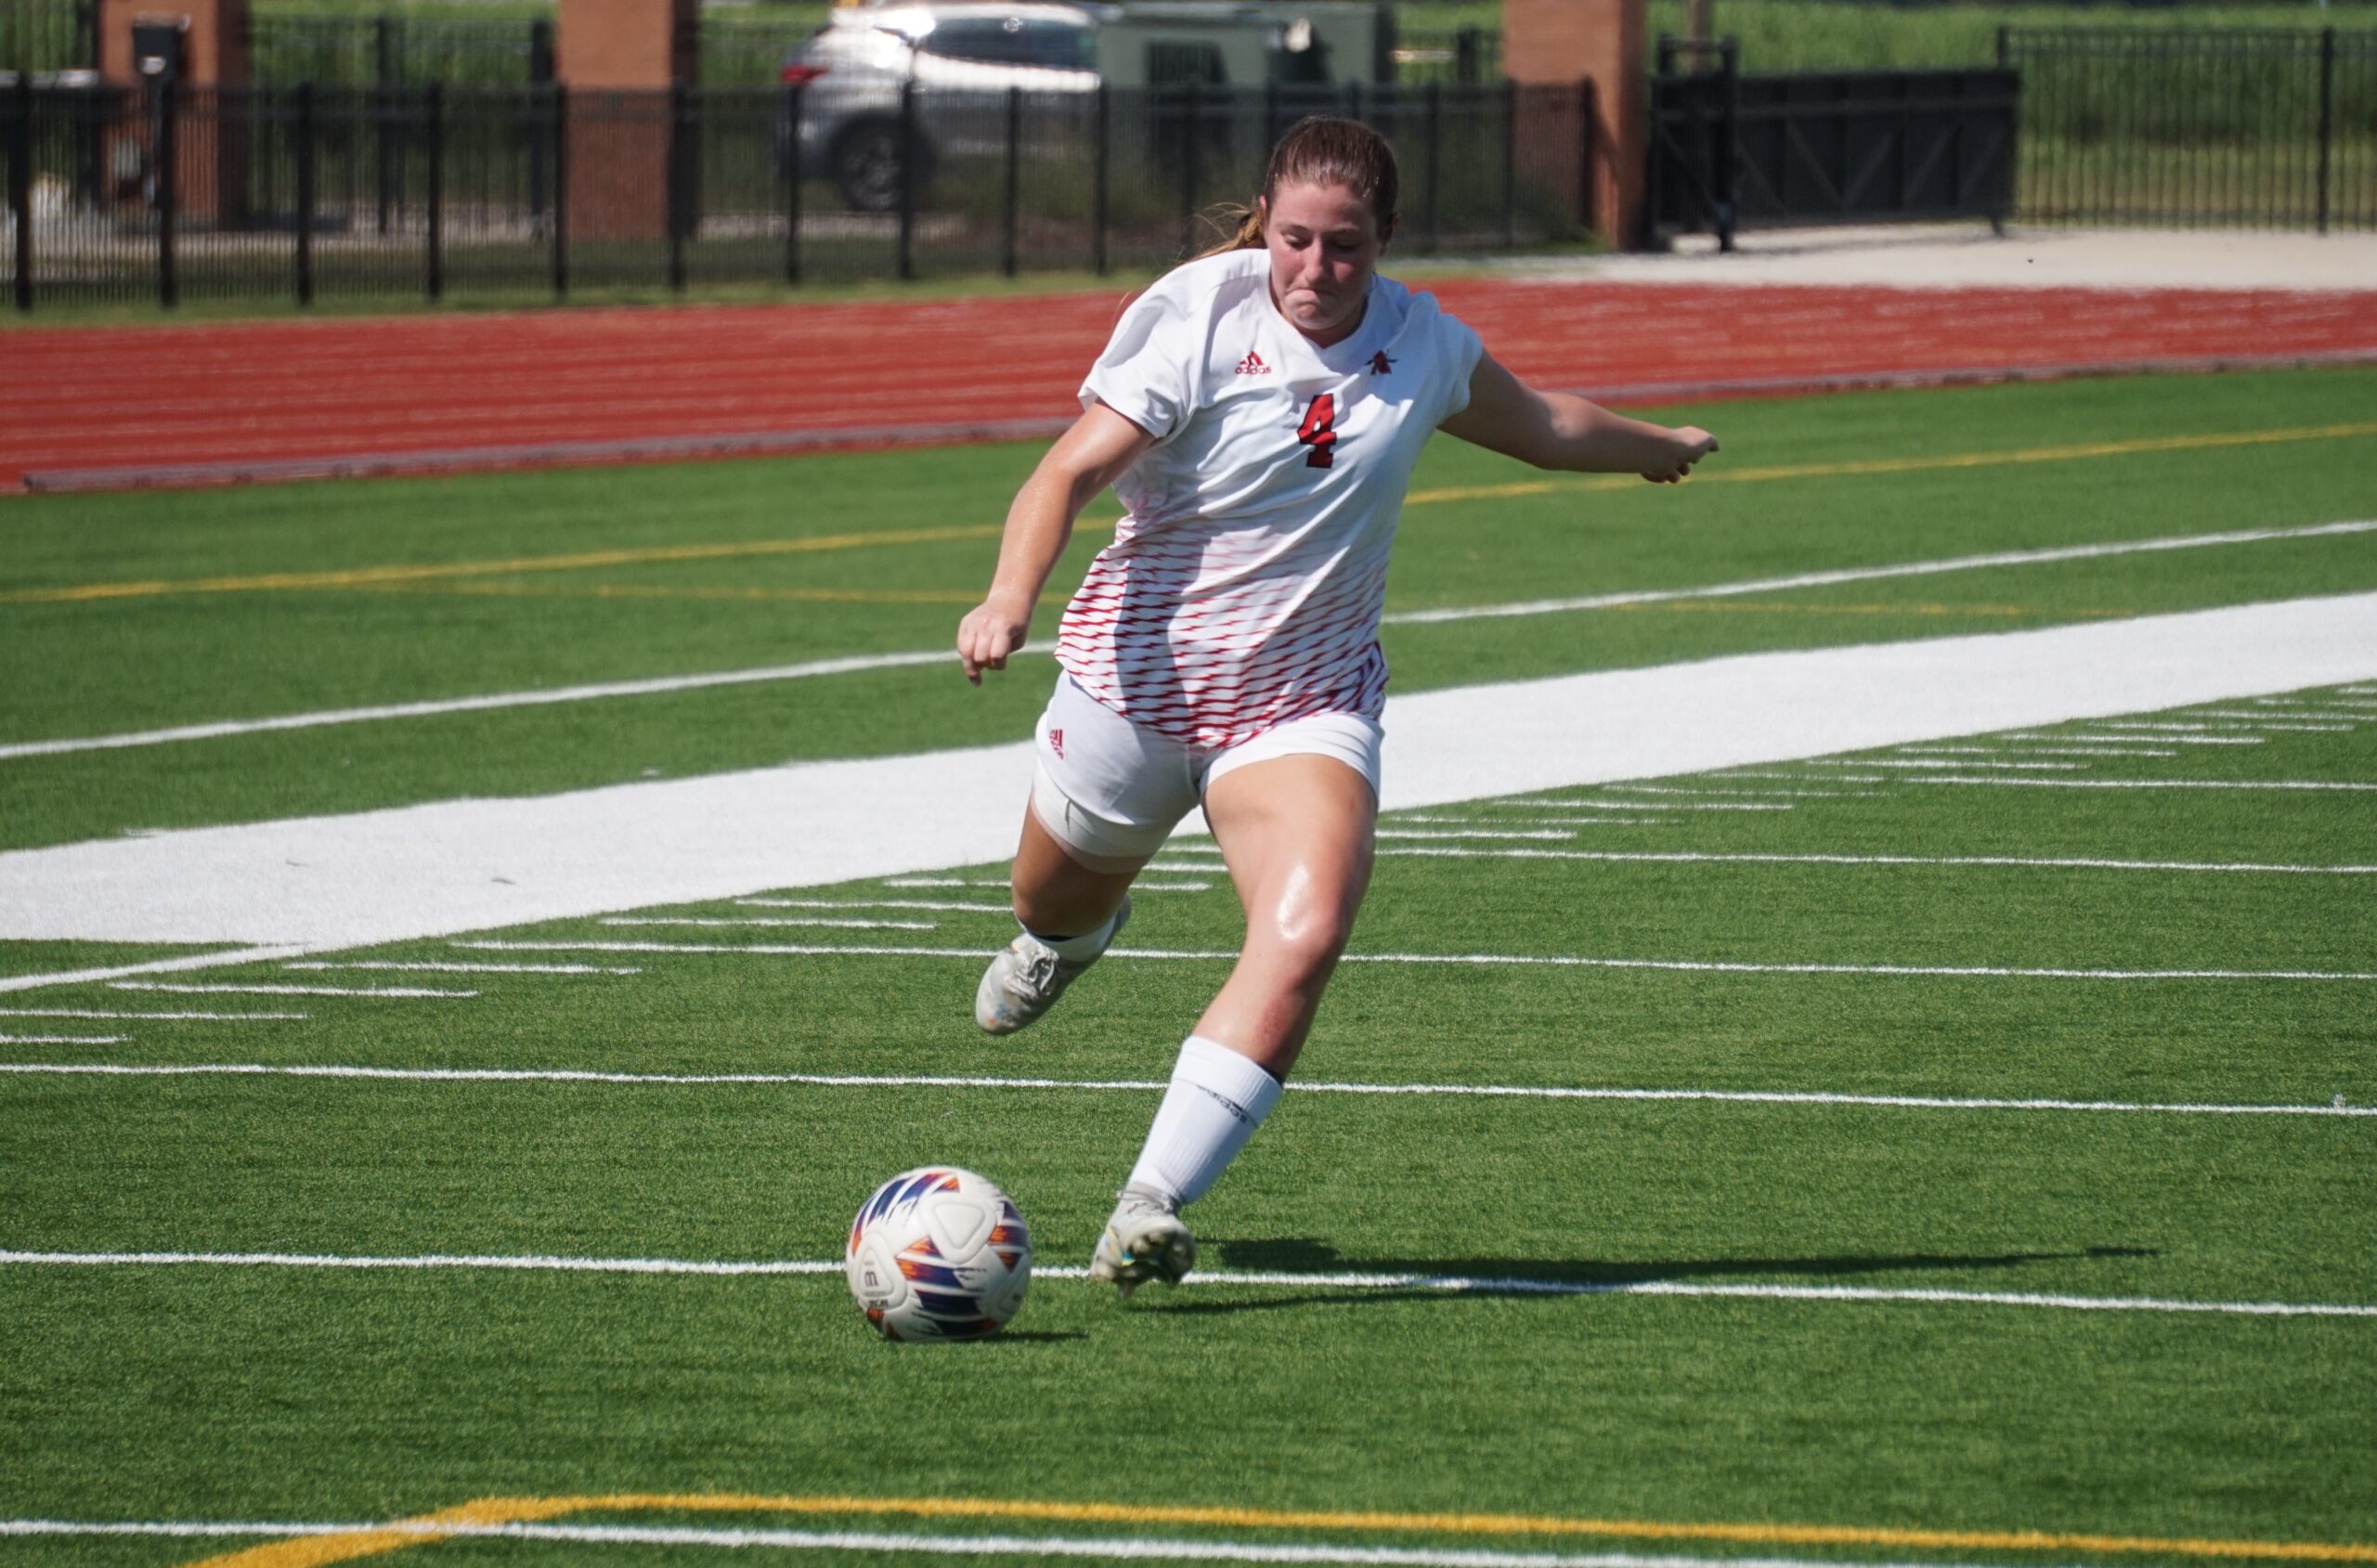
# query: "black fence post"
560,96
1728,170
1510,165
1464,55
791,120
2005,44
1435,161
1098,179
384,79
1587,147
906,259
435,110
21,185
164,158
304,131
1008,215
679,196
2327,116
540,74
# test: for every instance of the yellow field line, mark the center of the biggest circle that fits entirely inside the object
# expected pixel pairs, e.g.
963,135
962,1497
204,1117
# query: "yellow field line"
376,576
316,1549
367,576
1723,475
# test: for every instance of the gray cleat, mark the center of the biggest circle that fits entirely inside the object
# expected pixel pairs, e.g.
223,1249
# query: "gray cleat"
1144,1240
1028,976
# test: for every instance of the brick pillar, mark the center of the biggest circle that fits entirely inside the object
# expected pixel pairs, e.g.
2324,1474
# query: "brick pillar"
1565,42
619,59
212,161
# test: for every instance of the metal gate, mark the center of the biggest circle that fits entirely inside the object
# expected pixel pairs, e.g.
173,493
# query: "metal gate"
1730,152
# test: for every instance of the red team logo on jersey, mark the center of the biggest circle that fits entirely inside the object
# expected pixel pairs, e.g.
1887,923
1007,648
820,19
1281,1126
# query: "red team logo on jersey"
1252,365
1381,364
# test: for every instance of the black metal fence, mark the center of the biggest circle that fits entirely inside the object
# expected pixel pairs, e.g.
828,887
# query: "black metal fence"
1729,150
168,193
2202,126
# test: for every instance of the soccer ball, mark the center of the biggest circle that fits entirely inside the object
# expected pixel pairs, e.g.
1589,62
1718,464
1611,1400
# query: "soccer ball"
939,1253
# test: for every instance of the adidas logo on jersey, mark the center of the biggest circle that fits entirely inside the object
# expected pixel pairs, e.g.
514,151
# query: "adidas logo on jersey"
1381,364
1252,365
1056,744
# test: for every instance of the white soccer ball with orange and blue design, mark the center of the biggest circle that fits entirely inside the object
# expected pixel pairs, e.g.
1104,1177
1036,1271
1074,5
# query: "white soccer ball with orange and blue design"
939,1253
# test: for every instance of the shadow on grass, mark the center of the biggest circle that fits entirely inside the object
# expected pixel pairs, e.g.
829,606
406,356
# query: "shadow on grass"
1516,1277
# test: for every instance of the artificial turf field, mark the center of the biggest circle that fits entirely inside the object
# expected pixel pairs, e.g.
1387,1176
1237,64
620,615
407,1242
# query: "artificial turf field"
1641,1379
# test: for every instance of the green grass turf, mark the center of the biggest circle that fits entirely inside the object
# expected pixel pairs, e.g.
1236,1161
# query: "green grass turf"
160,660
210,1393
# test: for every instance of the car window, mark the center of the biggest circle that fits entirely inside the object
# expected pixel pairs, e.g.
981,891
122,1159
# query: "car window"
1011,41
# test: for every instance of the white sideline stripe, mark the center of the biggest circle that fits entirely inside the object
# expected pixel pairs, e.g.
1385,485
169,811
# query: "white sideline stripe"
62,1038
1151,1085
878,903
2071,862
748,920
1873,573
287,990
2151,784
1453,1284
438,869
92,1013
473,968
1563,960
1120,1549
858,663
490,702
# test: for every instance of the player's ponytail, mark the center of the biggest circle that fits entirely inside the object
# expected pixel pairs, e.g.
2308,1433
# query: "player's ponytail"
1317,150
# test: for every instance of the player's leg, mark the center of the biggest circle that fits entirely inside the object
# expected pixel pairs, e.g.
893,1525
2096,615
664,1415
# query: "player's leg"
1297,832
1105,797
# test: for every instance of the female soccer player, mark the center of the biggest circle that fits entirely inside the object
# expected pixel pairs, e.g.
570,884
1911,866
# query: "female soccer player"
1258,412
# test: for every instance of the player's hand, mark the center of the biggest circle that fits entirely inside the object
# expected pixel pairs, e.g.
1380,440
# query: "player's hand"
1692,444
992,633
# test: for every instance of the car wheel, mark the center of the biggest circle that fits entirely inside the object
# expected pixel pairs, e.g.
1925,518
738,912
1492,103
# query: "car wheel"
866,165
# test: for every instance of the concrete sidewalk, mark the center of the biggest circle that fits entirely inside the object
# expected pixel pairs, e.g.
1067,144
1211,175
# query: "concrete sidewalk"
1970,256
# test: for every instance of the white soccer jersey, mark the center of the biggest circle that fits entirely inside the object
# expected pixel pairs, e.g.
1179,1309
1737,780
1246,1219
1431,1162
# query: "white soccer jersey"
1243,587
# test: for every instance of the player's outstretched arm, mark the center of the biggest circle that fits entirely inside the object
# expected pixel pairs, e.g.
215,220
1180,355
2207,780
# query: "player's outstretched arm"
1086,460
1557,429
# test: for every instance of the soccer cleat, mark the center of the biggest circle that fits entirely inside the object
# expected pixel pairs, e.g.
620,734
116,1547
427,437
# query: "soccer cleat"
1145,1239
1028,976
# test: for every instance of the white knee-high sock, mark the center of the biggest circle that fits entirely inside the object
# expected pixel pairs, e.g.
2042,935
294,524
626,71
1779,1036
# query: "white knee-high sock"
1215,1101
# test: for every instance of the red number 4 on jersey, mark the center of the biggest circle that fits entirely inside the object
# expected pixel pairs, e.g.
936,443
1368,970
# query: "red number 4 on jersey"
1318,430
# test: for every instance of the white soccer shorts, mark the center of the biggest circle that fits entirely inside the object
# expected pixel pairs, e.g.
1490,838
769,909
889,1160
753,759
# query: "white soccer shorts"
1114,791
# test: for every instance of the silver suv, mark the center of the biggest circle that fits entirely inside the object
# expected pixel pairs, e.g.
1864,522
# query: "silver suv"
852,72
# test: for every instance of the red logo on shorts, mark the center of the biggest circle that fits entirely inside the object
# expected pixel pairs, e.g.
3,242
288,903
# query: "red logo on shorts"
1056,744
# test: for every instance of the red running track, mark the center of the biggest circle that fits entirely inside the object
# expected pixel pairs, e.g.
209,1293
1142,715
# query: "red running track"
116,407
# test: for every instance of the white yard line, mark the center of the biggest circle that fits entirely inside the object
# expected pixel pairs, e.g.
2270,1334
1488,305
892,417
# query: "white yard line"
2262,720
1522,960
1751,790
1875,574
315,884
804,922
2153,783
261,990
447,969
2061,862
880,903
746,1537
1152,1085
2033,748
61,1039
2172,740
1896,762
488,704
168,1018
1452,1284
865,663
1480,833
